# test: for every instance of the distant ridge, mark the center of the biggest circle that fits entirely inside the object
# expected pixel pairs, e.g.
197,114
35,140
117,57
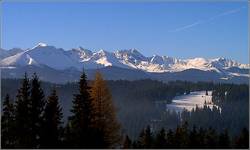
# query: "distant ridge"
43,55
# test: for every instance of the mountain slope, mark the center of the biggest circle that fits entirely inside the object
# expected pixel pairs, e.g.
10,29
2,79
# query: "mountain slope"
8,53
41,55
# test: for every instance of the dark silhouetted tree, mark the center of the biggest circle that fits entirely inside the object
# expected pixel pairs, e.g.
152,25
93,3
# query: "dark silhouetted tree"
52,128
23,115
37,109
79,126
7,124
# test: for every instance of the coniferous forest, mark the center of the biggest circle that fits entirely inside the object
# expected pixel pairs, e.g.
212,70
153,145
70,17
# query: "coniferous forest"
120,114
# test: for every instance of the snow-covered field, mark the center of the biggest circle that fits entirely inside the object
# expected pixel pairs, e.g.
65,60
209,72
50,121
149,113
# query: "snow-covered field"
190,101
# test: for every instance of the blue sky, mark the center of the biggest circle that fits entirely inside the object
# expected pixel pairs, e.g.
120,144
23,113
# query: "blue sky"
177,29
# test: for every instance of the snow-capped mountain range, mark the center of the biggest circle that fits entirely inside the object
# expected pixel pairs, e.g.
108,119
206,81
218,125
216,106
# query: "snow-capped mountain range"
60,59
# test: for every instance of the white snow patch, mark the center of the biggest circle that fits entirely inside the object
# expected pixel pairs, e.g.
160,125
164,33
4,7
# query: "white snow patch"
189,102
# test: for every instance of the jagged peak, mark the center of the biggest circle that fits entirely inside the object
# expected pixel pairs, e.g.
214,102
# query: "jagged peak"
133,52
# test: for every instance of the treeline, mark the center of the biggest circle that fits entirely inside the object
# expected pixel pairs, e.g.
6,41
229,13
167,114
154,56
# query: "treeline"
184,137
34,121
155,90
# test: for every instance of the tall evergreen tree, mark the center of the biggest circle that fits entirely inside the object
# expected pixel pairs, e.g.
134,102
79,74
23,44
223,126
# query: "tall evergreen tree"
52,122
80,121
104,119
37,109
22,115
7,124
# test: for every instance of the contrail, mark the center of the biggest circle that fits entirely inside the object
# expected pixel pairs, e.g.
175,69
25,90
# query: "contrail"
207,20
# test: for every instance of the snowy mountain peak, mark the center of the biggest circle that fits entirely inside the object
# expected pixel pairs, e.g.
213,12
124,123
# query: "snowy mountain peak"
39,45
131,56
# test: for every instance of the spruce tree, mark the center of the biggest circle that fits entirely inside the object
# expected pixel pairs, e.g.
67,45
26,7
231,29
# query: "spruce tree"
79,123
37,109
7,124
22,115
104,119
52,122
